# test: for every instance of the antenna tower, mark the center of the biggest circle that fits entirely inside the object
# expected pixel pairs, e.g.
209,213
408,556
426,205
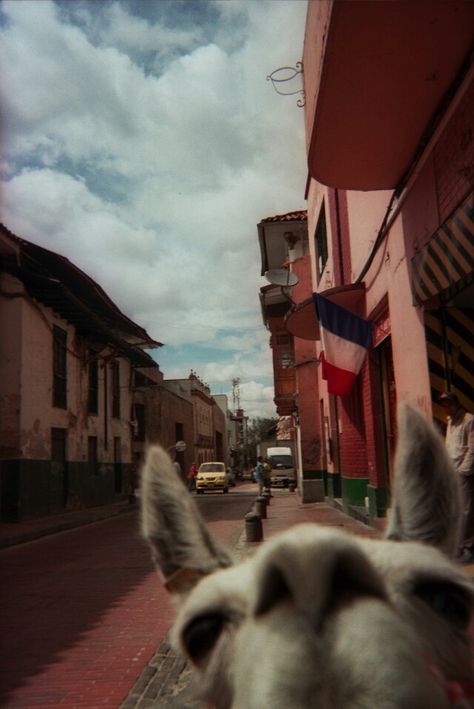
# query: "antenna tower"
236,394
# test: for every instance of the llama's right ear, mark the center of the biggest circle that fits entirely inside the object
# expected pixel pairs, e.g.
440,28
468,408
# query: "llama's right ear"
182,546
426,504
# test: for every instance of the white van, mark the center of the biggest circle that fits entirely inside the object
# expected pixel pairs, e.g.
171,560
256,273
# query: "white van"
283,467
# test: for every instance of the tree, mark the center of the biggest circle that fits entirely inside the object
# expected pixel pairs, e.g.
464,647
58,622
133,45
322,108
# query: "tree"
258,429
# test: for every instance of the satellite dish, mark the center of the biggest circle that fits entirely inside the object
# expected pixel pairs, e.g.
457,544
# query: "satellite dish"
281,277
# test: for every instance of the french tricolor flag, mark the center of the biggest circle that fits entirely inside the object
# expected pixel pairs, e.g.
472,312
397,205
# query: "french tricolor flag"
345,339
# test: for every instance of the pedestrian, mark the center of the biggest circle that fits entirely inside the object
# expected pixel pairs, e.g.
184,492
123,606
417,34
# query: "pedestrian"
267,473
192,473
460,447
259,474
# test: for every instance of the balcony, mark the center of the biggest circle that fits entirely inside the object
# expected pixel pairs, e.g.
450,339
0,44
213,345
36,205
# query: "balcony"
376,75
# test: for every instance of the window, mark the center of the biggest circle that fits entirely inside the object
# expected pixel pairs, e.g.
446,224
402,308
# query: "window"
285,351
92,457
321,243
59,367
116,389
93,394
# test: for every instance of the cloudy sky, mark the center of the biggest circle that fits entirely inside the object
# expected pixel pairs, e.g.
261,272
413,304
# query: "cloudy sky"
142,141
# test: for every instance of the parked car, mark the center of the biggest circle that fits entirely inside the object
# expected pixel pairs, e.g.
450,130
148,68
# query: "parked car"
212,476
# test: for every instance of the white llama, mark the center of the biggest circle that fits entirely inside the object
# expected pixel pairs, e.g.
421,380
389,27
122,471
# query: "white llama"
317,618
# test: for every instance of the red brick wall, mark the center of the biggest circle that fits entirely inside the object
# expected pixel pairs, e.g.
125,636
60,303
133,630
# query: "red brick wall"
372,416
308,405
353,443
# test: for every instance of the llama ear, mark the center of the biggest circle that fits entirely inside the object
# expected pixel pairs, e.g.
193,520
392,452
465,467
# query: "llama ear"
182,546
426,504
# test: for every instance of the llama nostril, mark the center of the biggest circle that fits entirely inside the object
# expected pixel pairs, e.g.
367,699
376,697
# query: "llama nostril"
275,590
349,581
318,580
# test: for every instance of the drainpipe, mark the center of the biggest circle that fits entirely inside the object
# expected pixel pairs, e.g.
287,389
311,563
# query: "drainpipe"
339,237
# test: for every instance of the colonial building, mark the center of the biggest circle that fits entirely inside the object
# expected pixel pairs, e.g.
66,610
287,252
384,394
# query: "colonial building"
161,415
285,259
67,361
209,421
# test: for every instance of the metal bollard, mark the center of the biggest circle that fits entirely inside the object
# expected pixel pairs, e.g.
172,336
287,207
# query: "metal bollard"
261,507
253,527
267,495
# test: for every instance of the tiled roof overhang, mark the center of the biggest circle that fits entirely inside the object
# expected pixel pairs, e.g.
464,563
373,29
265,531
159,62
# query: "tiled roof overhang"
386,70
54,281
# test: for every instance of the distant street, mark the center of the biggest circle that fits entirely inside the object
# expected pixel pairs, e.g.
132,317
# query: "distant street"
82,611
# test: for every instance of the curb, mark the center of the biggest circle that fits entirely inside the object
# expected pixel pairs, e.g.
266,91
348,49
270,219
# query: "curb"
167,680
25,535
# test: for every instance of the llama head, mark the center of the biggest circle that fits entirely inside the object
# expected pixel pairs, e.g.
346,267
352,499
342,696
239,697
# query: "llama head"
318,618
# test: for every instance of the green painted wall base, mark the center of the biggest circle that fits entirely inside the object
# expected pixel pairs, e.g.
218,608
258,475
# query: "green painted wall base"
38,488
333,485
377,501
354,492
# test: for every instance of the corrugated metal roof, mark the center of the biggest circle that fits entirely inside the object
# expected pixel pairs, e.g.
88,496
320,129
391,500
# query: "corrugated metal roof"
57,283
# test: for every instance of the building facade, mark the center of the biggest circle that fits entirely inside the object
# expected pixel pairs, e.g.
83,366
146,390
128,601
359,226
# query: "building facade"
161,415
209,421
67,358
286,261
390,224
389,133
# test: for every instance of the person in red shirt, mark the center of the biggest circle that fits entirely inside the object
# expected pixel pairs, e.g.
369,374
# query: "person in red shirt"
192,472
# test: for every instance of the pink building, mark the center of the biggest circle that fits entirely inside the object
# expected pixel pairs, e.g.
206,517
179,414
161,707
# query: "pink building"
285,258
390,147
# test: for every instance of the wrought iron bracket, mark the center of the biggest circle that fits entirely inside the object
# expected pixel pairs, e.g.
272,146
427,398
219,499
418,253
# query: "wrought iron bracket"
288,73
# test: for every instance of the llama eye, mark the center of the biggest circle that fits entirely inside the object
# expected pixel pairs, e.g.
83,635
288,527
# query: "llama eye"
449,601
201,634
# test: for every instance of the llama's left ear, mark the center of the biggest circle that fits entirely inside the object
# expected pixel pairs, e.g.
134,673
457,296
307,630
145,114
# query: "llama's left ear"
182,547
426,503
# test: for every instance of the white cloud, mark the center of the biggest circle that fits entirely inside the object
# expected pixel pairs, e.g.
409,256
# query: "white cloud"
153,183
135,33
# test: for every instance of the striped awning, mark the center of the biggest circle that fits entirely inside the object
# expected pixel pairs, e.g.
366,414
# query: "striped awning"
449,257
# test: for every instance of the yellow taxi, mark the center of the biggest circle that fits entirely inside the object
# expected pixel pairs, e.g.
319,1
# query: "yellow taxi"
212,476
